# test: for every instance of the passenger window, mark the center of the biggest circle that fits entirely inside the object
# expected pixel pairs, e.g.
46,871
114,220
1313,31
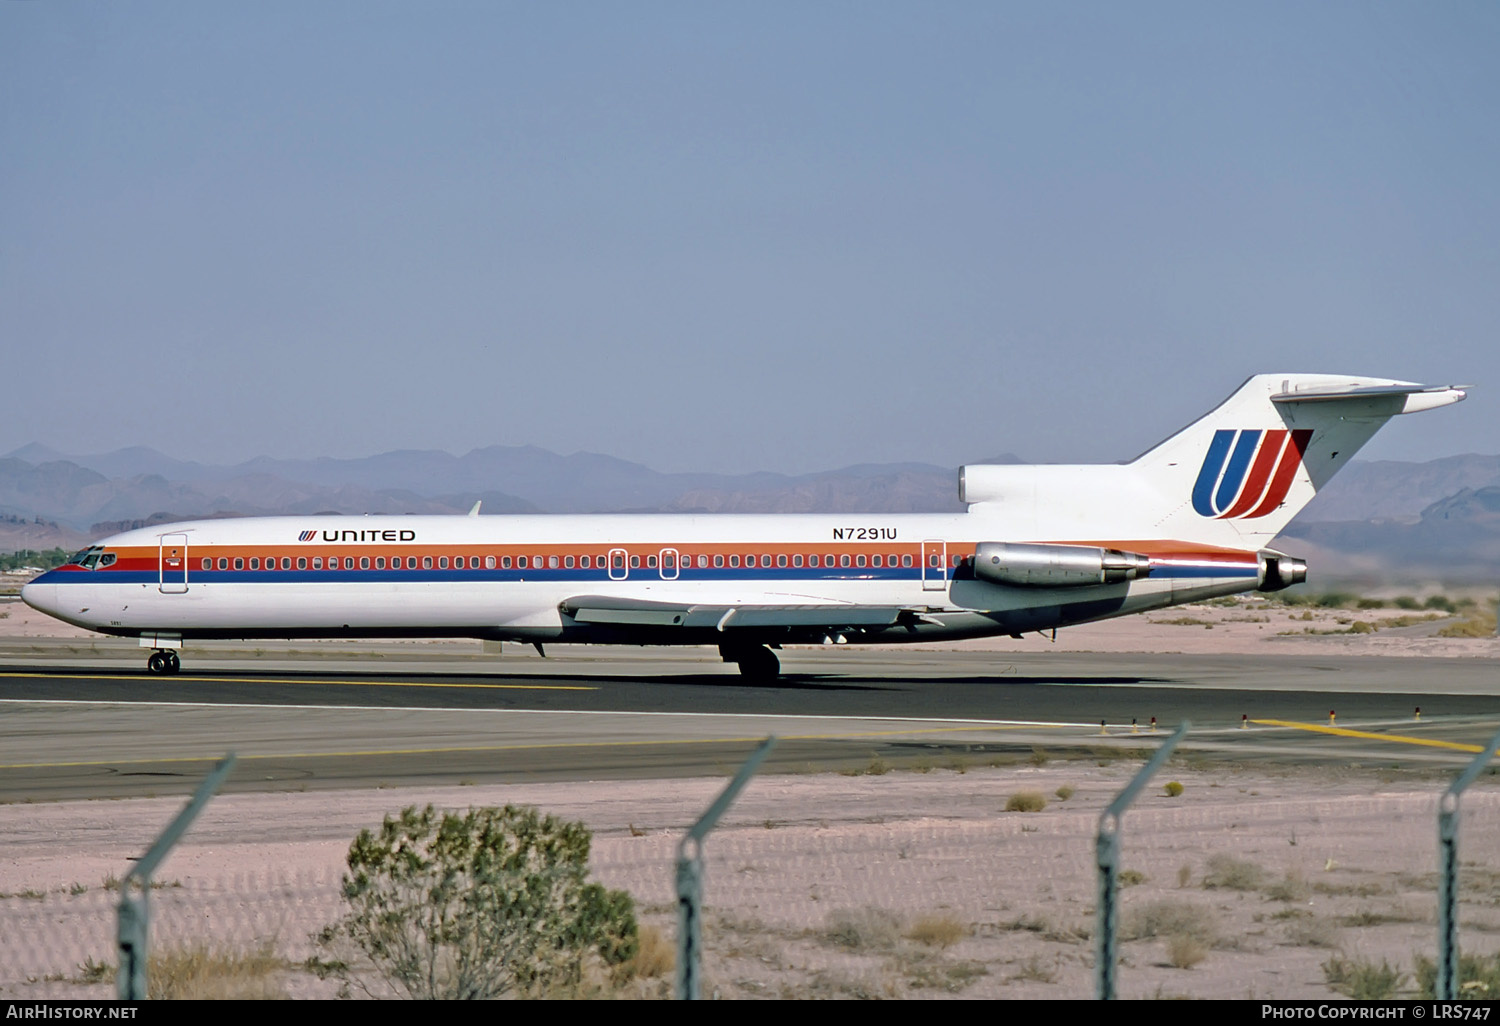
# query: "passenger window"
521,562
254,562
668,562
317,562
379,562
797,559
505,562
489,562
635,562
426,562
812,560
552,562
333,562
651,562
458,562
702,562
734,560
585,562
442,562
844,559
781,560
364,562
859,560
568,562
208,564
286,562
302,563
718,561
828,560
223,563
875,559
906,560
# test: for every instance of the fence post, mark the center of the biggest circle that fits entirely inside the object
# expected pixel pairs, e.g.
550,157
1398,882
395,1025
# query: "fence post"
1107,848
690,877
1447,827
134,913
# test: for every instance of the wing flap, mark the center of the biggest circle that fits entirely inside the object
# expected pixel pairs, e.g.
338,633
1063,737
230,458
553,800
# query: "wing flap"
641,612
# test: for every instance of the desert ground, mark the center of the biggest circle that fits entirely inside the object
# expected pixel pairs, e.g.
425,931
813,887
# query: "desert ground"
1251,883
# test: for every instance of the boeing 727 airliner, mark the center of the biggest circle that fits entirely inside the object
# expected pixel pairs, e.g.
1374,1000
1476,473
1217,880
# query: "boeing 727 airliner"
1040,547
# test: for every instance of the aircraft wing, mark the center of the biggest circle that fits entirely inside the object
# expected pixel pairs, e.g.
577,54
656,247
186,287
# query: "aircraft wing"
645,613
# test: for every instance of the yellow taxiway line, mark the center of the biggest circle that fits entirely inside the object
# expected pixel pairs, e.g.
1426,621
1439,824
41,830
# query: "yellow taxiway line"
1345,732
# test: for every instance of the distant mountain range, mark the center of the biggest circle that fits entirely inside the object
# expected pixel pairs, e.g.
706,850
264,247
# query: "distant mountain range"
1379,516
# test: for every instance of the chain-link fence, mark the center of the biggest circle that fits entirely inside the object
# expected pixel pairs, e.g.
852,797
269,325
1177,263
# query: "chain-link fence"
930,881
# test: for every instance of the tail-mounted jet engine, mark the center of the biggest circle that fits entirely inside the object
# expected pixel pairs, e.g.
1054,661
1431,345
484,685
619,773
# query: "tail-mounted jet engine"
1278,570
1056,566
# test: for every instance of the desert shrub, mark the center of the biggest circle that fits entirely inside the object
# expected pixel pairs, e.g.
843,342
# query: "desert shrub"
1172,789
1185,951
1291,887
1362,980
863,929
1169,919
1230,873
1478,977
1026,801
1131,878
1065,792
1442,602
475,905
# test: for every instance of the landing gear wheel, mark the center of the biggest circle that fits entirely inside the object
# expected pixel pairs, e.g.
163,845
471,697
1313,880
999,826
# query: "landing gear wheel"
163,661
759,664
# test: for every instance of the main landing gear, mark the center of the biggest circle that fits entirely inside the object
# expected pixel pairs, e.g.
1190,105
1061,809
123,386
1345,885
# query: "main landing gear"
164,661
756,661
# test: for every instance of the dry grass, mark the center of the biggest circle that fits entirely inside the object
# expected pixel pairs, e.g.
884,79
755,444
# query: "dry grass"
199,973
1185,951
1170,919
1225,872
863,929
939,931
656,955
1311,932
1026,801
1362,980
1291,887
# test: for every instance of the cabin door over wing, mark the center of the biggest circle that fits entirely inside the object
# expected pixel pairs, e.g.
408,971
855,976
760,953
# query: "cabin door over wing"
934,565
668,564
172,557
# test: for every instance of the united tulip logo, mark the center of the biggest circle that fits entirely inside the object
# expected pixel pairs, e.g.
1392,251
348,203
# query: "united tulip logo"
1246,473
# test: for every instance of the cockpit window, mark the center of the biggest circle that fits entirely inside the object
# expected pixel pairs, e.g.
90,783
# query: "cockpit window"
88,558
107,559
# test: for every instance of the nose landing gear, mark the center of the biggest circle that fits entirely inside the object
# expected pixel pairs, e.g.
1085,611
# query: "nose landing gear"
163,661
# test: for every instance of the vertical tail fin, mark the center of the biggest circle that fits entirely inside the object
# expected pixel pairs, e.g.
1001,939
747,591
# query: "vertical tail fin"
1242,472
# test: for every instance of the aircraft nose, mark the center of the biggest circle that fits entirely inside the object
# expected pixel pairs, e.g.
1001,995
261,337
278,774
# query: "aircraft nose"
41,597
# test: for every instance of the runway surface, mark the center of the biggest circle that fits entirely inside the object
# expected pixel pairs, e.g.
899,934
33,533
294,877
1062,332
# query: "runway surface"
95,724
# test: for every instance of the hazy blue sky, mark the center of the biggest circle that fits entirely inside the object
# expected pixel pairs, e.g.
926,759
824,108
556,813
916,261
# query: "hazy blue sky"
732,236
